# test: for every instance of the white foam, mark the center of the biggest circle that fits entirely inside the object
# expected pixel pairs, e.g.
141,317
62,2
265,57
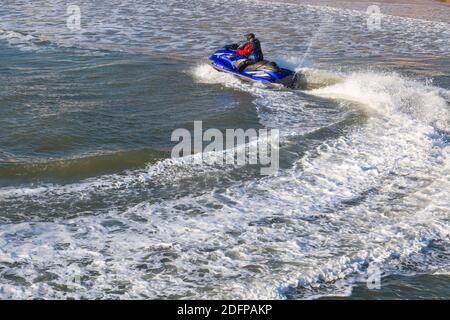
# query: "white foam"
391,93
205,73
25,42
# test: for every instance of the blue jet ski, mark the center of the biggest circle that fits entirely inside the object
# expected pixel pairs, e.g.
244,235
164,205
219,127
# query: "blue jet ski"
267,72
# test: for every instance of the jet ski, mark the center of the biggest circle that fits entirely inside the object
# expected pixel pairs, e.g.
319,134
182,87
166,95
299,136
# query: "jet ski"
267,72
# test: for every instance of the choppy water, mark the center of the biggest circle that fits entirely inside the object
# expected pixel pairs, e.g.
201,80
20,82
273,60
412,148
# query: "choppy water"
88,191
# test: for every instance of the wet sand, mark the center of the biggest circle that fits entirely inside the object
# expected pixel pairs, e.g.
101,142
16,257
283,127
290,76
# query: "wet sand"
434,10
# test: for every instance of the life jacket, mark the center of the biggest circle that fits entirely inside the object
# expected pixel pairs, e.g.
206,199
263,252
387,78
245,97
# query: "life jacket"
256,53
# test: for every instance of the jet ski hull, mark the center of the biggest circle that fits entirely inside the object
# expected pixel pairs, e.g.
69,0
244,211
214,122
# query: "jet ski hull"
266,72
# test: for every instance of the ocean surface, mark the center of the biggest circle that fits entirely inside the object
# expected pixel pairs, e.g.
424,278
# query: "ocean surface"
92,206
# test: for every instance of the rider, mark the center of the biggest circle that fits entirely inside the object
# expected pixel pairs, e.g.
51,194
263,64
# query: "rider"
251,50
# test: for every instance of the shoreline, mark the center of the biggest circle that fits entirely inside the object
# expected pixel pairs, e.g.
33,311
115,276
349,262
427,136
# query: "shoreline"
425,10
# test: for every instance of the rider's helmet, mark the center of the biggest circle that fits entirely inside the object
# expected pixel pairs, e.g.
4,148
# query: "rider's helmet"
250,36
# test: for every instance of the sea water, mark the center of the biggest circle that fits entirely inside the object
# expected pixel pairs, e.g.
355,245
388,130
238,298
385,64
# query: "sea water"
92,205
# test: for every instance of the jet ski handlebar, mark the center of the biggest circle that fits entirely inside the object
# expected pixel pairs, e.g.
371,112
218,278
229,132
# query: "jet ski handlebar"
233,46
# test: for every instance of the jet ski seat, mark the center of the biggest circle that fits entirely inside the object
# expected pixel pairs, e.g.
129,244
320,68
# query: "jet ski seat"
264,65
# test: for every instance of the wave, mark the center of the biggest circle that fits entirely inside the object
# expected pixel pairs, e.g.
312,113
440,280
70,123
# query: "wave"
390,93
23,41
80,167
